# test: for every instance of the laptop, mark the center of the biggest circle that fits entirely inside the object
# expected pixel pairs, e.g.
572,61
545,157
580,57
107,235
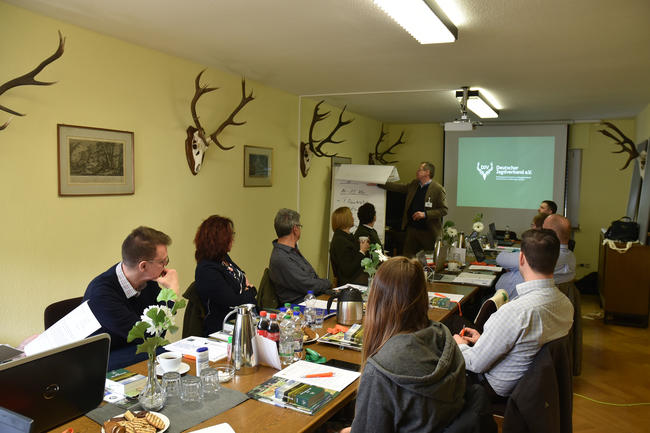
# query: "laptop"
57,385
498,239
478,250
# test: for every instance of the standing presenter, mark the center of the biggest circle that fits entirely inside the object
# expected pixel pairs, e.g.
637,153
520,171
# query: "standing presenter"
425,206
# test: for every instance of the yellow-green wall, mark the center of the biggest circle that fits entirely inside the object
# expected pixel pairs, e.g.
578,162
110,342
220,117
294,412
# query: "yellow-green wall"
604,188
643,124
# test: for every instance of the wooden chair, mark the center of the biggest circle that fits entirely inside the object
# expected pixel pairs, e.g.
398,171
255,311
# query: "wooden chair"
56,311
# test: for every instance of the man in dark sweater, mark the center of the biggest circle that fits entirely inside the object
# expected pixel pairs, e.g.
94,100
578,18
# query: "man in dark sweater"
118,296
426,204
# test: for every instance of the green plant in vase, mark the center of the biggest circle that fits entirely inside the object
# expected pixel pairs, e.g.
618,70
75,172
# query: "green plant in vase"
156,319
370,264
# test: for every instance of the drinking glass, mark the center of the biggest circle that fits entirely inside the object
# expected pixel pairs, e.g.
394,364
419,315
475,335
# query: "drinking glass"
319,315
191,392
210,383
171,382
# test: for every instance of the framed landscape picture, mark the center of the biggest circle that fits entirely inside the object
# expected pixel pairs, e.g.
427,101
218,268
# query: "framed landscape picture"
258,164
95,161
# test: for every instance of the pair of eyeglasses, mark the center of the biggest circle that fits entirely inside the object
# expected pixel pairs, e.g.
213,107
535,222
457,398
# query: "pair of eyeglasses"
164,262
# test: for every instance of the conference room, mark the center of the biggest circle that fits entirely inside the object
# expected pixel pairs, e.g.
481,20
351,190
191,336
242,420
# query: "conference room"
131,69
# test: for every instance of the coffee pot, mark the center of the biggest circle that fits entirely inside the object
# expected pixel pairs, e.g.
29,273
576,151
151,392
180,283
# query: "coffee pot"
243,354
349,306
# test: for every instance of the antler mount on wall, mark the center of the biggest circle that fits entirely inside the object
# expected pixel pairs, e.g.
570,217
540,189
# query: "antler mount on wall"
379,157
30,79
197,141
314,146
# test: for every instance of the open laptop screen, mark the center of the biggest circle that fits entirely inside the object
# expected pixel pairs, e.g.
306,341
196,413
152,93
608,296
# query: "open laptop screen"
57,385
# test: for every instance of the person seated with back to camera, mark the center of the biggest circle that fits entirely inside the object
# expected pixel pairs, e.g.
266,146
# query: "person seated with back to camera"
514,334
346,252
219,282
413,377
290,272
565,268
367,217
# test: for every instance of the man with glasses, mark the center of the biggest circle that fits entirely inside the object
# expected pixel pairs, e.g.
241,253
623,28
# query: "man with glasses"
425,206
119,296
290,272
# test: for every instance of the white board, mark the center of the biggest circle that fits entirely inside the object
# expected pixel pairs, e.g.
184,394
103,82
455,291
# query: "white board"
354,193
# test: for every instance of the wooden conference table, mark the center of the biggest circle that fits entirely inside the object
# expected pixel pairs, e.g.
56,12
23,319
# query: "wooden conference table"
255,416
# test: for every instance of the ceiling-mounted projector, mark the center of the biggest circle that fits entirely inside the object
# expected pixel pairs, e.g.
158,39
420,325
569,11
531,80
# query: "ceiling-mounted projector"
459,125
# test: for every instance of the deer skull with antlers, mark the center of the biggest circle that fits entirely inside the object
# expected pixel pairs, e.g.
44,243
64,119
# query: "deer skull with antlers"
314,146
622,141
30,79
378,157
197,142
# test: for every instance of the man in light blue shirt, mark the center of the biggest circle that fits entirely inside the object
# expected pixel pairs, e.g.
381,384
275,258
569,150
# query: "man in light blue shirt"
565,269
514,334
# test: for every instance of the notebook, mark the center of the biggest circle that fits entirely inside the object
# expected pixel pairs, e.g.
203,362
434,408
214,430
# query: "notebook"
57,385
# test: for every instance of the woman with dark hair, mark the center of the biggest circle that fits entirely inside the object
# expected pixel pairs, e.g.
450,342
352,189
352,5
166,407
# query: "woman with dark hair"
367,217
413,372
219,282
346,252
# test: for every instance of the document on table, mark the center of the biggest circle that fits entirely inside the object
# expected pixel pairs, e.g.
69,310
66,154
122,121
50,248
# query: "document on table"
338,382
219,428
472,278
453,297
187,346
75,326
322,304
485,268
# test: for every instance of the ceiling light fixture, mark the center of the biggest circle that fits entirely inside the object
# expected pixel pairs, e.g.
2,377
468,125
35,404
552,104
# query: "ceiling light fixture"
473,100
423,19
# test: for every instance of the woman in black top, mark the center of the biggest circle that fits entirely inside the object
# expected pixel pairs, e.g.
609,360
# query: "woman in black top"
220,283
346,252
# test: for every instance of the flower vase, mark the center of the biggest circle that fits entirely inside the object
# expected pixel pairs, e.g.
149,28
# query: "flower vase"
152,396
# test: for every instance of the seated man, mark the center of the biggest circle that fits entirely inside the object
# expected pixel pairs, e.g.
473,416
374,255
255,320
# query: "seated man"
118,296
565,269
516,332
548,207
290,272
367,218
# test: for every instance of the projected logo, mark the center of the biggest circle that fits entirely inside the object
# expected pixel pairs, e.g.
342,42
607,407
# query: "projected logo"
484,169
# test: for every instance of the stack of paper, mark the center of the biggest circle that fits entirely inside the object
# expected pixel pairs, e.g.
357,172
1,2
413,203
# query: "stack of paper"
187,346
477,279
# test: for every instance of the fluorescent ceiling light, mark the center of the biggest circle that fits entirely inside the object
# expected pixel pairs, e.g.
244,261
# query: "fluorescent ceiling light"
423,19
479,106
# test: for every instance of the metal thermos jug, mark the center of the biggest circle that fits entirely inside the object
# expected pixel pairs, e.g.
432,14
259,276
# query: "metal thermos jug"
243,356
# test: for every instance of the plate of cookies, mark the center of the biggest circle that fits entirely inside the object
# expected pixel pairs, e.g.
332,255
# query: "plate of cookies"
137,422
309,335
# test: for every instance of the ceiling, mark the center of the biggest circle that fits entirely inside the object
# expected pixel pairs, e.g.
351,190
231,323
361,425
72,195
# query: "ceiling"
541,60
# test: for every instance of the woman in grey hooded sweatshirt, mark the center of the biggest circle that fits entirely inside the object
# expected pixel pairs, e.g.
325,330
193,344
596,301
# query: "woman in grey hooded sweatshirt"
413,372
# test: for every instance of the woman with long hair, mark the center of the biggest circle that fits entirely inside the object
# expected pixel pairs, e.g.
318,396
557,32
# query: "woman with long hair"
219,282
413,371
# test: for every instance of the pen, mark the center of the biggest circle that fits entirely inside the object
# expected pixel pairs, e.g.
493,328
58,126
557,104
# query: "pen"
462,332
311,376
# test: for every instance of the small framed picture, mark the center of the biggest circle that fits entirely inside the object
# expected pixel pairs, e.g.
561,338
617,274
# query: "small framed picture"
258,166
95,161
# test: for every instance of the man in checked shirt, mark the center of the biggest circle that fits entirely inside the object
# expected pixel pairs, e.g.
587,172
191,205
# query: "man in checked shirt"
514,334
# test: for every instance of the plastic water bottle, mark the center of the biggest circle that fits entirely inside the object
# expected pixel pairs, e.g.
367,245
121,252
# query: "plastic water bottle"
285,349
297,336
310,308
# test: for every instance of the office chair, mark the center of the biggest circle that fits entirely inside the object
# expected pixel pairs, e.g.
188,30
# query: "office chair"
194,315
542,401
266,296
56,311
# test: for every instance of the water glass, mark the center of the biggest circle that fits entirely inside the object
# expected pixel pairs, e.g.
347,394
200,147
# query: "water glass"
319,316
191,391
171,382
210,383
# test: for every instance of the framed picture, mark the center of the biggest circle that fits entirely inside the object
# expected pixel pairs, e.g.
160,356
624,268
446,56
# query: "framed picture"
258,164
95,161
